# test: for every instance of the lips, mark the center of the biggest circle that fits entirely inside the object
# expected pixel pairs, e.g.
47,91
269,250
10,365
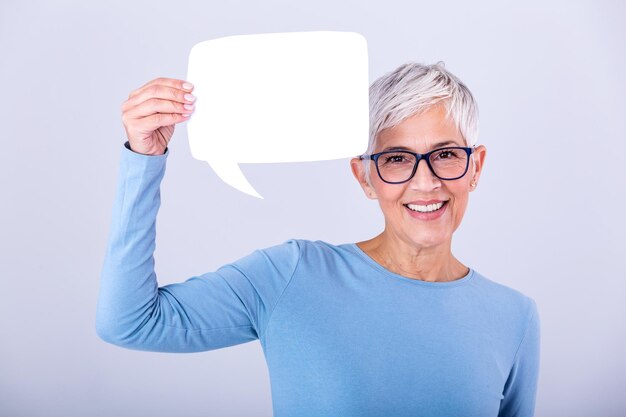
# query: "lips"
426,210
426,202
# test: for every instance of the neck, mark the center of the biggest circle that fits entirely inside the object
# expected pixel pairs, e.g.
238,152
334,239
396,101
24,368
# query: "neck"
433,263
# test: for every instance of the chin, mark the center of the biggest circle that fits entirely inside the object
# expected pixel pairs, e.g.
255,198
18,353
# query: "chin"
429,240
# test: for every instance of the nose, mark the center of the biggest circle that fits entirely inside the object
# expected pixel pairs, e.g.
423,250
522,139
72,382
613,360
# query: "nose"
424,179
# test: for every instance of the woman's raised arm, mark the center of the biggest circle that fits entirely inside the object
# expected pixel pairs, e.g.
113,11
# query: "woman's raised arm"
213,310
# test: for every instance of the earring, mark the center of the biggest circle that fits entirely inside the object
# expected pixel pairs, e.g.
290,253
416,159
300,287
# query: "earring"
473,184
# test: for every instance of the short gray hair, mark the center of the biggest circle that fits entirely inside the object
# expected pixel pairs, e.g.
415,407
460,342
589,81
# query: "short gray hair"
413,88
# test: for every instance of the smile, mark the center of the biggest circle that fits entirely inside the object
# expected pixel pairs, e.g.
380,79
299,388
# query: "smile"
426,209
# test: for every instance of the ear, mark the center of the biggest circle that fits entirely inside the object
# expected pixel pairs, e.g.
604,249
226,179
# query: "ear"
479,161
358,170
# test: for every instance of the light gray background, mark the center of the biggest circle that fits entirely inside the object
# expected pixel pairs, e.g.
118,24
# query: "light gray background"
547,217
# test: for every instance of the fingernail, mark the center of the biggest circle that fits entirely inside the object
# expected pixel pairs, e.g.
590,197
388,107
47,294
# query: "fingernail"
188,106
189,97
187,86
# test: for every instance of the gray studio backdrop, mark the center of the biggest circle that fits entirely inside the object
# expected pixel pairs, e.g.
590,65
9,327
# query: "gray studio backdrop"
547,218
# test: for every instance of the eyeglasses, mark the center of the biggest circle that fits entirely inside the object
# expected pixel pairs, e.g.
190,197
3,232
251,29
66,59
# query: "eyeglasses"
396,167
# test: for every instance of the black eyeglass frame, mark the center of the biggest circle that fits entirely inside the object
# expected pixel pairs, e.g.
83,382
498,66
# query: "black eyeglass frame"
418,157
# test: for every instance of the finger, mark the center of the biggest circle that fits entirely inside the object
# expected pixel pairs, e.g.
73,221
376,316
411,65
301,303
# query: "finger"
155,105
152,123
159,92
169,82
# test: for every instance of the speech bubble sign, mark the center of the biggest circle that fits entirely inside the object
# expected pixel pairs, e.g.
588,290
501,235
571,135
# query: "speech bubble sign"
278,97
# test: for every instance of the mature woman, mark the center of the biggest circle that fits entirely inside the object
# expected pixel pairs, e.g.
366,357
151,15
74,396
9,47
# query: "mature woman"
392,326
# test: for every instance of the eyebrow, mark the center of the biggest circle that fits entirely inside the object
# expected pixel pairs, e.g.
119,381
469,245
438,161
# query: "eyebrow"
435,146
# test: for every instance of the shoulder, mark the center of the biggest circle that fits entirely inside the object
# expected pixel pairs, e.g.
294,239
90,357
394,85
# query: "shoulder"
500,292
288,254
508,304
296,248
321,253
284,256
305,246
306,254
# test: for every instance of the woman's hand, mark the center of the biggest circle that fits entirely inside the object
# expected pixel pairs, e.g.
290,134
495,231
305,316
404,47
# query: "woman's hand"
151,111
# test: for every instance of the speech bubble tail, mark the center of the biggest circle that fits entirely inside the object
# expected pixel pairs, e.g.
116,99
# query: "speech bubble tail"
232,175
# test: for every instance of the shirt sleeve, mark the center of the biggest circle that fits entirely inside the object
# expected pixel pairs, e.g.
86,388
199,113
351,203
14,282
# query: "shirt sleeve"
127,146
520,389
217,309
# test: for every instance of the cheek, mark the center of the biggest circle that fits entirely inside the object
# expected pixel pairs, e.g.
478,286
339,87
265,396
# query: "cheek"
382,189
460,204
389,197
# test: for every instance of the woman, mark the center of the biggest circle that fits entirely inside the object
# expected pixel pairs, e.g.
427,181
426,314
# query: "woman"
393,326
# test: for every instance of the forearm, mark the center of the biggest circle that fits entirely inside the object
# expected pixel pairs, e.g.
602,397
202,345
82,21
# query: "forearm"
129,290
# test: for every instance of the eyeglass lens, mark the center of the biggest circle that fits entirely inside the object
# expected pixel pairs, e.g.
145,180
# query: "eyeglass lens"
447,163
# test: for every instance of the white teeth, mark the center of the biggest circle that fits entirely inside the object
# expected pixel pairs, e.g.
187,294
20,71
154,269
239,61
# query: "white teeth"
425,209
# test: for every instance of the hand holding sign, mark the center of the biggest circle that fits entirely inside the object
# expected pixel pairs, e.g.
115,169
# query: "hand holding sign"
280,97
152,111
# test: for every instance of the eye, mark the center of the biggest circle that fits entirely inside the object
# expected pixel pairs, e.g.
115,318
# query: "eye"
396,159
446,154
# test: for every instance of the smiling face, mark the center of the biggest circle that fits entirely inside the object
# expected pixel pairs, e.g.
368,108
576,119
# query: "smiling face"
408,207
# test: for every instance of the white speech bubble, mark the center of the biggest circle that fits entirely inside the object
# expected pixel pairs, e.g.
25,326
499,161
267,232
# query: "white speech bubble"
278,97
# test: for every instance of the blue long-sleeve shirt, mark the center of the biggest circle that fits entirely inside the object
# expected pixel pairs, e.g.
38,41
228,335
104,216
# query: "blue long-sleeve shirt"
342,336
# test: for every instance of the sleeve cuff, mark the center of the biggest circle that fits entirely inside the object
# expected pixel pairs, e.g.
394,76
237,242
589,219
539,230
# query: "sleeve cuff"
127,145
133,162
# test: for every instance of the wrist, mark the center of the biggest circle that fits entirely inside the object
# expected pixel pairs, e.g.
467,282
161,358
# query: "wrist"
127,145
